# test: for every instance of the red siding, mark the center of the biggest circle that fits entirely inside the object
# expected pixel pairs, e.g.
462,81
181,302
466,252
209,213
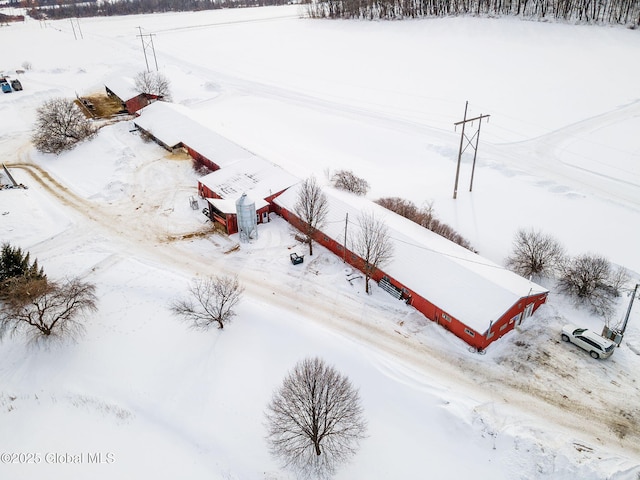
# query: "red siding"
479,340
206,192
200,159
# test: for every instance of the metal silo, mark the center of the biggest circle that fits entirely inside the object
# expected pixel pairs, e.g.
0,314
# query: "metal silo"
247,218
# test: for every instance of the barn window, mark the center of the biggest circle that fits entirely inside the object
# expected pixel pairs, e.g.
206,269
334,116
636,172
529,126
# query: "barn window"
516,318
446,317
504,326
469,332
326,239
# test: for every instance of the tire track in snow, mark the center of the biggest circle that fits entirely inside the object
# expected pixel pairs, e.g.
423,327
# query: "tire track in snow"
368,327
541,157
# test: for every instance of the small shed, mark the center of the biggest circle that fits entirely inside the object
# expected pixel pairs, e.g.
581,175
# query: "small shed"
125,90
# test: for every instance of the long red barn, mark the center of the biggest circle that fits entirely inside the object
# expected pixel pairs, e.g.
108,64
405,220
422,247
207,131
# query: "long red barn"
476,299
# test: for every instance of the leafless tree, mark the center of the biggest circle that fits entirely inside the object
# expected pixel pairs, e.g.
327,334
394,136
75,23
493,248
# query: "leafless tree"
592,281
315,420
59,126
424,216
347,180
211,302
373,244
45,310
535,254
312,208
153,83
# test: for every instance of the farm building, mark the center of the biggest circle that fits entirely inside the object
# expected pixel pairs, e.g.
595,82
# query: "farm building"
125,90
235,171
476,299
174,126
261,180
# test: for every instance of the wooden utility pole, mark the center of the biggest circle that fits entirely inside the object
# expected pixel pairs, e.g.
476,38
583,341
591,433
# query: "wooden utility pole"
469,140
626,317
77,24
346,223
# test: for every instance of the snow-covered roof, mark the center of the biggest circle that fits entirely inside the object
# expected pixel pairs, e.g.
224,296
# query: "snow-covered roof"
256,177
228,205
174,125
467,286
123,87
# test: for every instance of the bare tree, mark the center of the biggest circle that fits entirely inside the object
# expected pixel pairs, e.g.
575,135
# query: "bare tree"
424,216
153,83
60,125
535,254
45,310
312,208
211,302
592,281
373,244
347,180
315,420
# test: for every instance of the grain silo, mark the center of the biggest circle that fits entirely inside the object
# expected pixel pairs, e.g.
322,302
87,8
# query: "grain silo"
247,218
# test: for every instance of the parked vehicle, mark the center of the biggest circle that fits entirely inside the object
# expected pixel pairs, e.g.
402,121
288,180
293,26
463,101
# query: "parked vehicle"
596,345
6,88
16,85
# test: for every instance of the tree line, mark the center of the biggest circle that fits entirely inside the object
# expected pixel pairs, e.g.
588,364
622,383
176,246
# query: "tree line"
625,12
48,9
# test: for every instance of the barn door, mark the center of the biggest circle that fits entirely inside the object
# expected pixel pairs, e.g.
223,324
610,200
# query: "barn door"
528,311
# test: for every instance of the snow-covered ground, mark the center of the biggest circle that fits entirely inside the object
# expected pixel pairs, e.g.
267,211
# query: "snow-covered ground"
141,395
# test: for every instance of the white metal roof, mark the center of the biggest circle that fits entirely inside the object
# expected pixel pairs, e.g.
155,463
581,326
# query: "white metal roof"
256,177
174,124
469,287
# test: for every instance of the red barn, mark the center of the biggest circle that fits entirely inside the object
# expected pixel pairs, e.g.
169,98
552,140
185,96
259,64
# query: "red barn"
125,90
235,171
261,180
476,299
174,126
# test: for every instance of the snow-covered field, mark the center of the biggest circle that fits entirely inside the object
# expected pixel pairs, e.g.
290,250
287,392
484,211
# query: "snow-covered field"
142,396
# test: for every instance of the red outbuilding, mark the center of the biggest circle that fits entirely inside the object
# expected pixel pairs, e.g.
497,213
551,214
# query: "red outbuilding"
477,300
124,89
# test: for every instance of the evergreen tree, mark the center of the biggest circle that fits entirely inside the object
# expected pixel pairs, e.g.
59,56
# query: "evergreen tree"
16,265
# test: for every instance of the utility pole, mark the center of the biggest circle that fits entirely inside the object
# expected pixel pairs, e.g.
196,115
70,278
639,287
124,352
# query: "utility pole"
344,253
626,317
461,150
148,44
77,24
